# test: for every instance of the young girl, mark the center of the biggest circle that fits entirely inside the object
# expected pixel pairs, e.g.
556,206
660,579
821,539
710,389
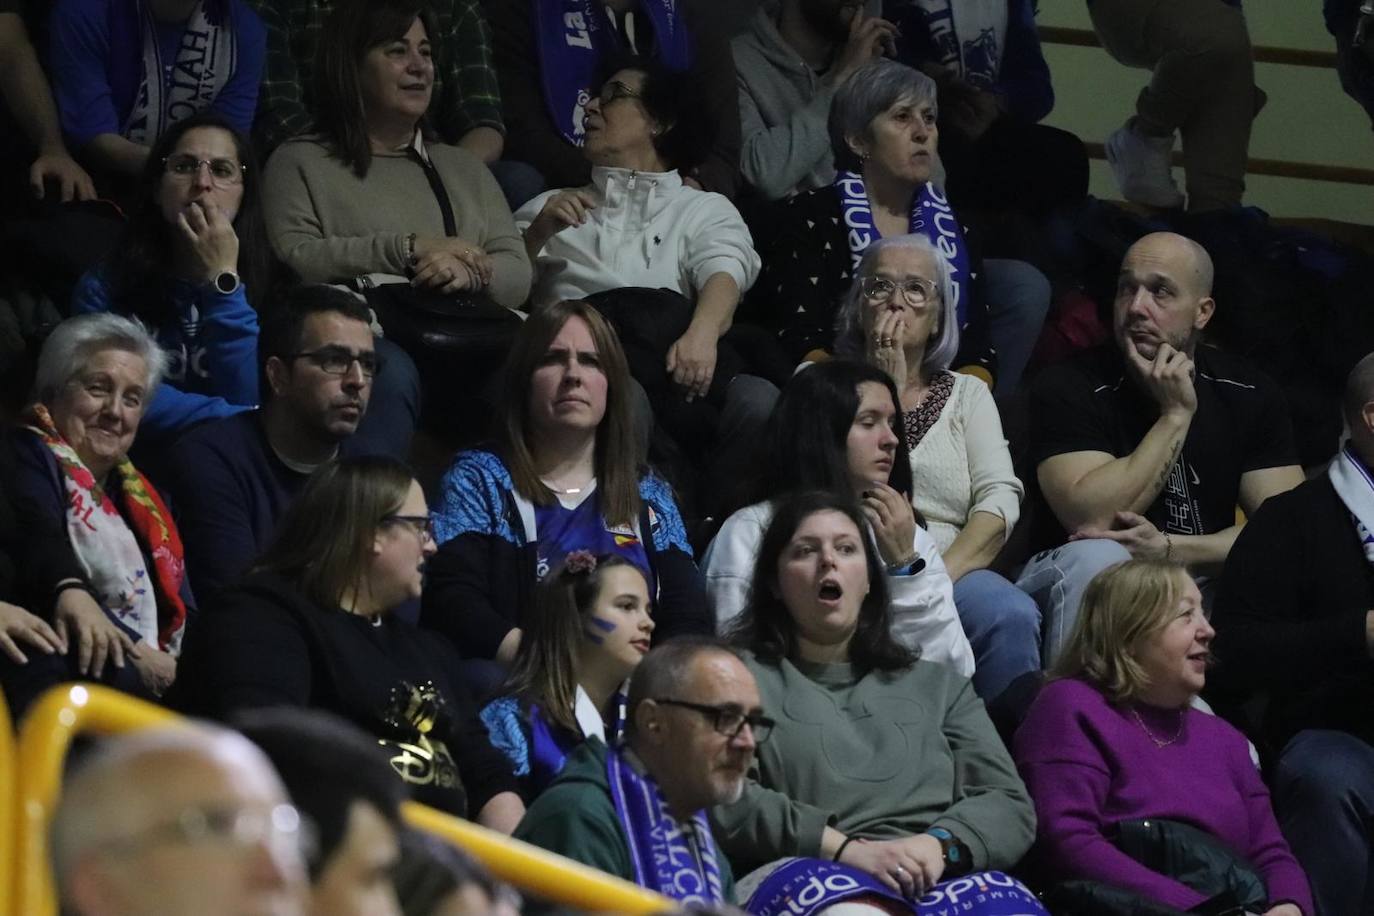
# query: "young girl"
589,628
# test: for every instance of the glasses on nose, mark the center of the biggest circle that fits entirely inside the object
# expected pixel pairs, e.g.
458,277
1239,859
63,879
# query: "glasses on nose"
613,91
339,360
727,720
280,827
223,172
917,291
423,525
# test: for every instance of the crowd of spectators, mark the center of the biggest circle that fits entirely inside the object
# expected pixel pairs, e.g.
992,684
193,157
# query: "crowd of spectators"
722,590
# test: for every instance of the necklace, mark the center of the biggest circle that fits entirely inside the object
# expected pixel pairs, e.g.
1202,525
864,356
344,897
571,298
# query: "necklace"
1159,742
569,491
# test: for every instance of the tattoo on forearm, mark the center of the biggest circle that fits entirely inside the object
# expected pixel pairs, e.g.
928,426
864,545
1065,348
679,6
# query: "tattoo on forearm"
1169,465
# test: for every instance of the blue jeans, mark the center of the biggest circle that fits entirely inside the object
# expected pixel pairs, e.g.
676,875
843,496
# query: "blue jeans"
520,182
1002,624
1018,300
393,408
1057,578
1324,798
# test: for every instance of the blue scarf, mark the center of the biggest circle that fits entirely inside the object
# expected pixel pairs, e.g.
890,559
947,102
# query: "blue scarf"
205,60
676,859
572,41
931,216
800,887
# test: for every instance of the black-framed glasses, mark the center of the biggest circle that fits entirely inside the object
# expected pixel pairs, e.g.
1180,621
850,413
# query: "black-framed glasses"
422,524
339,360
613,90
728,720
916,291
223,171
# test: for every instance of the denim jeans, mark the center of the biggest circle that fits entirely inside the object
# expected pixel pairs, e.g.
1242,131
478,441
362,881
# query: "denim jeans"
1018,299
393,409
1057,578
1324,798
1002,624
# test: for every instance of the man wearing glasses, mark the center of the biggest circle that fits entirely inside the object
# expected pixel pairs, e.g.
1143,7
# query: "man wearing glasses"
233,478
178,820
638,811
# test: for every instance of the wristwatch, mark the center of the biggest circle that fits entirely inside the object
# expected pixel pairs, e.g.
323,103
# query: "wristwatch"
954,852
226,282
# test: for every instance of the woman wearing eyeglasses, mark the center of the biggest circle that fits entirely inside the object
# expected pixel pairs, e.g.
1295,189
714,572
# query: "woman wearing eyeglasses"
191,264
883,135
900,317
878,760
312,625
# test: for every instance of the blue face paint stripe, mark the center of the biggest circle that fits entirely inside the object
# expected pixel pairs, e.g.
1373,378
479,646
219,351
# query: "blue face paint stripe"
605,626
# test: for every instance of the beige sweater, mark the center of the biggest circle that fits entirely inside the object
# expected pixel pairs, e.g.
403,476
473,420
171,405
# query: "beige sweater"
962,466
330,226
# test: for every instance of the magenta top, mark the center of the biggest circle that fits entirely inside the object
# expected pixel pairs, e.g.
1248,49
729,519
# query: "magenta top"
1089,764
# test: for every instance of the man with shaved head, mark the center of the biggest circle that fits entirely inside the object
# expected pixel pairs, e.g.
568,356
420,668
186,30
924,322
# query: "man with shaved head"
1295,626
1146,445
175,821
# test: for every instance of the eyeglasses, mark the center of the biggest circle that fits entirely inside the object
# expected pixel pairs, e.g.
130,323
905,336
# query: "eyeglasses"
614,90
916,291
281,827
423,524
223,172
728,720
339,360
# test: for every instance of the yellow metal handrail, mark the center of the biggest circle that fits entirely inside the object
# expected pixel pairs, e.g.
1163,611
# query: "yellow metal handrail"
7,769
62,713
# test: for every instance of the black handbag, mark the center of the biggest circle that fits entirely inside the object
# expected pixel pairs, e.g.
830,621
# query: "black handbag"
1184,853
421,320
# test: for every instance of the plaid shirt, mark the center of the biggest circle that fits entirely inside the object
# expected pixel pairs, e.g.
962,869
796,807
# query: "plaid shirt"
466,94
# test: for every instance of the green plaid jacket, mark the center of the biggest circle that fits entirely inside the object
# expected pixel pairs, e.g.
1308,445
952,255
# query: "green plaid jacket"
466,94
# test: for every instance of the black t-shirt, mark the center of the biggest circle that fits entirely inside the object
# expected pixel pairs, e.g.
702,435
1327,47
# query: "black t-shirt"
1090,404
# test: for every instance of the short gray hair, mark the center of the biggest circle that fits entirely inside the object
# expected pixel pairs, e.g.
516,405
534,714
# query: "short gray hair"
665,668
73,342
870,90
943,345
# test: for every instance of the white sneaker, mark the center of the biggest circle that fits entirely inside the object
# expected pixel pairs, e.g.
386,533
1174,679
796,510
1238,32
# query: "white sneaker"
1143,168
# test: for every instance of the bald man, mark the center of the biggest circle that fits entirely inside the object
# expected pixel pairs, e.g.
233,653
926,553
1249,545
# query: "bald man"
1146,445
1295,623
178,821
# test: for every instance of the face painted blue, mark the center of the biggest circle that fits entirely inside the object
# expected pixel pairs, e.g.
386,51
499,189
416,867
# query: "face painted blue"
597,623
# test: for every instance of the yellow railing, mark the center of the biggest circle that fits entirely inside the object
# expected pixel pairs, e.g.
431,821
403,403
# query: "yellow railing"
61,714
7,830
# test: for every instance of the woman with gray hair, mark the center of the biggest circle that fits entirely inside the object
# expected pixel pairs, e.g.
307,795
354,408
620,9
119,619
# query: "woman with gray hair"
883,135
119,593
900,317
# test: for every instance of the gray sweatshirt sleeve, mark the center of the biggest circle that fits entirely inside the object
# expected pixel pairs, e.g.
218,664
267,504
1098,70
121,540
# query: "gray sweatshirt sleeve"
774,159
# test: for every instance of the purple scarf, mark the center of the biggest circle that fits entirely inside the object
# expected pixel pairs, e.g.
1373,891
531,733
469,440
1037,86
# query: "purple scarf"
800,887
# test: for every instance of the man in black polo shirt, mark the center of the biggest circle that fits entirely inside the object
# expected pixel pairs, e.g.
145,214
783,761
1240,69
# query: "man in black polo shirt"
1146,445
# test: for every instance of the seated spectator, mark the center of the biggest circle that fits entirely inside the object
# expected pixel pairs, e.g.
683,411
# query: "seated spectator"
883,135
560,476
124,598
1352,27
1202,87
1113,739
838,427
994,88
26,94
123,73
880,760
192,254
170,821
900,317
638,810
639,226
312,626
30,543
232,479
1295,633
550,53
338,778
435,878
1146,445
358,198
590,628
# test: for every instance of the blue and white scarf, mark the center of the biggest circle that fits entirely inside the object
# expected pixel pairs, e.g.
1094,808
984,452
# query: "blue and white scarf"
1355,486
969,37
677,859
573,40
931,215
800,887
206,58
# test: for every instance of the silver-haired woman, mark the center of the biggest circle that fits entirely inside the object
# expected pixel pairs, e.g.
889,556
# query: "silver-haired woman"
901,316
883,135
117,593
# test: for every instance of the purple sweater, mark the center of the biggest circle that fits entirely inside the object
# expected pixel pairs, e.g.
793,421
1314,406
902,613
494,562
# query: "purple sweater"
1089,764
